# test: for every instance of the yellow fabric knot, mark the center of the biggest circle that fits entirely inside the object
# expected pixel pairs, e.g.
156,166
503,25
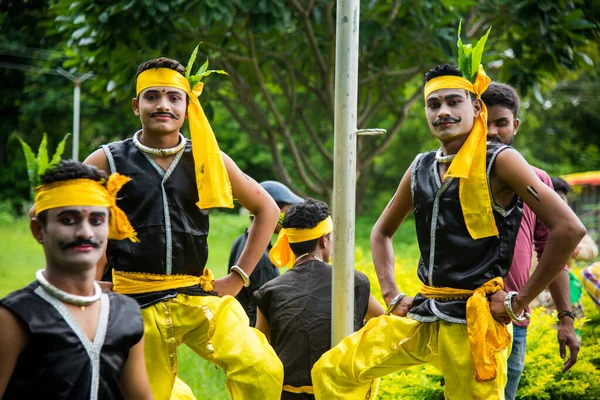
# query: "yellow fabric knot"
87,192
470,162
212,180
281,253
141,282
486,335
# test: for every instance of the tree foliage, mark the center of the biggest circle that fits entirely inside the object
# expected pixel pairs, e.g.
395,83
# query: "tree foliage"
275,110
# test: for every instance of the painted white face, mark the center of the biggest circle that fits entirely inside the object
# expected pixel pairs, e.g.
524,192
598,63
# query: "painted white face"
74,237
450,113
162,110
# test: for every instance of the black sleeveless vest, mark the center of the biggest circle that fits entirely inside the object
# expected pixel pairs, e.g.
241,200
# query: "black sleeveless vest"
59,361
161,206
449,256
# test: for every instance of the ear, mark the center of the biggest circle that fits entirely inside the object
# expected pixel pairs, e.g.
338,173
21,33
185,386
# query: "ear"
136,106
477,107
37,230
516,124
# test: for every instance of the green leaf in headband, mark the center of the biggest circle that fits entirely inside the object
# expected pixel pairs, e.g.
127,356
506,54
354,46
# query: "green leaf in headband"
470,57
202,72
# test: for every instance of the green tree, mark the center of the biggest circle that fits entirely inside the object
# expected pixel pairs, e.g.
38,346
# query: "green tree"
280,57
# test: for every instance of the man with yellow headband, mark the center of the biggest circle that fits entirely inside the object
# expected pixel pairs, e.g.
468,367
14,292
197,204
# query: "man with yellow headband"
61,337
174,183
294,309
466,198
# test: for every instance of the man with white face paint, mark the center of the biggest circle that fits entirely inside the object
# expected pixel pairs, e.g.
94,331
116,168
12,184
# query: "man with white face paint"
502,102
465,197
61,337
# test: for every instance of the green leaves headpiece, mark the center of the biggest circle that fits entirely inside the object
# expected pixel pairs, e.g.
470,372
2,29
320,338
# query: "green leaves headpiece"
202,72
469,57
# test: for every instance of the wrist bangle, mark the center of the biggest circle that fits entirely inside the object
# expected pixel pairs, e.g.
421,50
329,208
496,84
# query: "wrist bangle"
566,313
394,302
242,275
508,307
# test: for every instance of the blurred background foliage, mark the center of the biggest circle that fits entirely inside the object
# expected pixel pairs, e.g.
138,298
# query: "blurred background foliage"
274,113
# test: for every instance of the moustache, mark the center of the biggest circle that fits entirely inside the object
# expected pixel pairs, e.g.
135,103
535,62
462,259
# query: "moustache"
78,242
154,114
440,121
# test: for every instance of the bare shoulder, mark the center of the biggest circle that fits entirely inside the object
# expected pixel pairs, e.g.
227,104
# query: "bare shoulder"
98,159
13,329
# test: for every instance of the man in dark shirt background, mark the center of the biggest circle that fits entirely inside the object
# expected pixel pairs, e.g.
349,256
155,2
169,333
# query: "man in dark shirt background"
265,270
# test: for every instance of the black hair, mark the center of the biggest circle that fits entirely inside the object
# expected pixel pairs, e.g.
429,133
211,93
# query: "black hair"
305,215
161,62
443,70
560,185
67,170
500,94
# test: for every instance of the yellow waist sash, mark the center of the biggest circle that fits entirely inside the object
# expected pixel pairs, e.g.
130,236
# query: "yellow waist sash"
139,282
299,389
486,335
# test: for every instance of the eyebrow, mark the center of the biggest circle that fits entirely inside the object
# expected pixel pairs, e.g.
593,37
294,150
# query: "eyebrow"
154,91
77,212
447,97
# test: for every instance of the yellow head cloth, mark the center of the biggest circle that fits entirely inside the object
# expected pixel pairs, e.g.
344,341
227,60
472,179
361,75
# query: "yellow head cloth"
470,162
87,192
281,254
212,181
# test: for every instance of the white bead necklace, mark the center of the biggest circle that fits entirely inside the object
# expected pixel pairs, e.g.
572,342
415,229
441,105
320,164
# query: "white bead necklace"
444,159
158,152
80,301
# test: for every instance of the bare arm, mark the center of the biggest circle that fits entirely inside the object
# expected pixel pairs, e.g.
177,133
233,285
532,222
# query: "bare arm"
266,213
262,324
374,309
565,228
13,339
381,237
560,290
134,379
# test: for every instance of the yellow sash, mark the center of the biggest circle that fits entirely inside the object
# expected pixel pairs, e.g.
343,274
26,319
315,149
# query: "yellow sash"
138,282
281,254
486,335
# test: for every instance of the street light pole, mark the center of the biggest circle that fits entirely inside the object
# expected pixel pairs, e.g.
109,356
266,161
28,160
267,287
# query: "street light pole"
76,106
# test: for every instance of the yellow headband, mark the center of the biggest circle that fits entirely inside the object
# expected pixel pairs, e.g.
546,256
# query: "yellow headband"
212,181
281,254
470,162
87,192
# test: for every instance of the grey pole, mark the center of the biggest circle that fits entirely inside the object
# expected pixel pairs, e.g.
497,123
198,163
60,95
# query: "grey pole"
76,106
344,168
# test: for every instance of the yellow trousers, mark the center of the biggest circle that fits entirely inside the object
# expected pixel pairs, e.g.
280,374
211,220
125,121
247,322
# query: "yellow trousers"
387,344
216,329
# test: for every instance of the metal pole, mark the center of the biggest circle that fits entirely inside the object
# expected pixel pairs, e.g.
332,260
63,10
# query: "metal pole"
76,104
76,93
344,170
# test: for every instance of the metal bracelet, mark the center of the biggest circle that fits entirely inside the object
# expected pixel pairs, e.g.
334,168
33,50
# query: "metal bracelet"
508,307
242,275
394,302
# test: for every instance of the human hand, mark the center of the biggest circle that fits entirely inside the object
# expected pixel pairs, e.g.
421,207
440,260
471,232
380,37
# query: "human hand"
230,284
567,338
497,307
403,306
105,286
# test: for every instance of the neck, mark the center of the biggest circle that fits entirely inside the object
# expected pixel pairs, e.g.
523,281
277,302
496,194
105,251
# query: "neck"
313,255
452,146
80,283
159,141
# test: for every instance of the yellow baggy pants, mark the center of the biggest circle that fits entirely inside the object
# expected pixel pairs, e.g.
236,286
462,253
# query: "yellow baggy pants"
387,344
217,329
